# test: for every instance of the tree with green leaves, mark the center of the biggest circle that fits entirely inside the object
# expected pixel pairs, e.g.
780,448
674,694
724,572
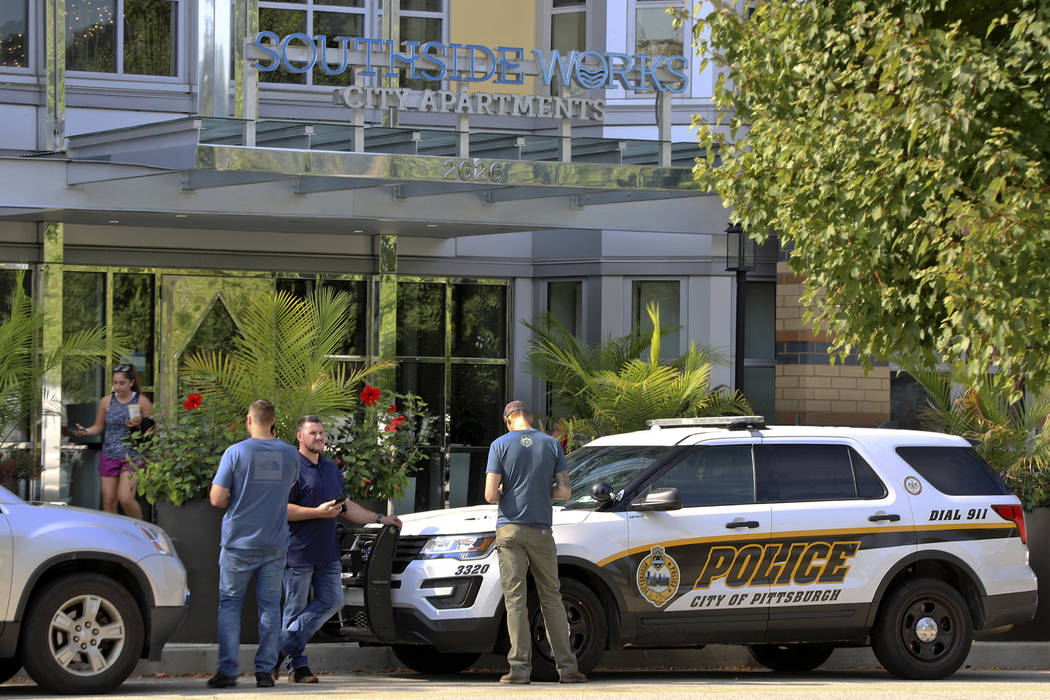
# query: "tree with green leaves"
899,149
607,389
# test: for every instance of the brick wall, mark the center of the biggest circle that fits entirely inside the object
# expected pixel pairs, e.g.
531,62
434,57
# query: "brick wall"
810,390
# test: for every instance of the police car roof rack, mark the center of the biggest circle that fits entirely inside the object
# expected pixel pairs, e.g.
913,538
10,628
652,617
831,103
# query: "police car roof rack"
727,422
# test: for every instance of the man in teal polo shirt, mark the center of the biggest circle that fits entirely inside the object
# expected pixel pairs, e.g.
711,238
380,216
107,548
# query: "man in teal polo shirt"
526,469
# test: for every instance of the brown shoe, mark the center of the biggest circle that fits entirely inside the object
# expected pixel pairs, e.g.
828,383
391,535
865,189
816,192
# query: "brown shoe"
514,678
573,677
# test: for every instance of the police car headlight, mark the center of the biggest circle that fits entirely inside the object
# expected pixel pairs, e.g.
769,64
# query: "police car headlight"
458,547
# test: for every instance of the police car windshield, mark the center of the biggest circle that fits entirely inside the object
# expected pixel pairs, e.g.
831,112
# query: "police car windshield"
615,465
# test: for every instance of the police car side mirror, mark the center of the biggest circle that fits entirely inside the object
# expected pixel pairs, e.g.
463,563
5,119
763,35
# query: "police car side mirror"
662,499
601,491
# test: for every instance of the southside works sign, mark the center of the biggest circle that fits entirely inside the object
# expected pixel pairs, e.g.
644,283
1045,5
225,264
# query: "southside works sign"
471,63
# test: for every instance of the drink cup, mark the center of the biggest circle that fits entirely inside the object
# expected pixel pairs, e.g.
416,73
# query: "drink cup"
134,411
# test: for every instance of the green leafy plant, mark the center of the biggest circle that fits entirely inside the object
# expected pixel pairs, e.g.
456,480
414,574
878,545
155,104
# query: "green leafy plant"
283,352
23,367
182,454
1014,438
607,389
377,447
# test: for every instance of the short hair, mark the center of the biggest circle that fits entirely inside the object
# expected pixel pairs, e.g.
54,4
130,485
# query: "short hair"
307,419
515,406
262,411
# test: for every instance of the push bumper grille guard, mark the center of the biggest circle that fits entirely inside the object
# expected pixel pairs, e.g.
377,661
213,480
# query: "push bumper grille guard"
378,567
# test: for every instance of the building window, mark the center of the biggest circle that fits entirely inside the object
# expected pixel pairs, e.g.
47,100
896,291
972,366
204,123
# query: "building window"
132,37
568,33
760,363
565,304
419,20
14,34
666,294
655,33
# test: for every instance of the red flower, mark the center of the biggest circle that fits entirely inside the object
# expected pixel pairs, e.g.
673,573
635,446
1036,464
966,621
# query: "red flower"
193,401
395,424
370,395
392,409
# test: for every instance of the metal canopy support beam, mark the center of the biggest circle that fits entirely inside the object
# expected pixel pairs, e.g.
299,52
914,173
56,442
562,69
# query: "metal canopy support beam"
513,194
204,179
585,199
311,185
426,189
81,173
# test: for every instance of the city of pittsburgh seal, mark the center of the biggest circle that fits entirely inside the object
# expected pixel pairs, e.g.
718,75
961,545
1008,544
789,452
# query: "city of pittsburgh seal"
657,576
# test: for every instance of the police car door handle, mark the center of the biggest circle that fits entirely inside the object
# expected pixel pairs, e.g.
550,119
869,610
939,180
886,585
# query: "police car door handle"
892,517
742,523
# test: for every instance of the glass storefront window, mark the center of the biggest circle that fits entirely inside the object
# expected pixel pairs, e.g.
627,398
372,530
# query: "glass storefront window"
476,403
83,308
354,342
14,34
420,319
666,294
133,313
565,304
137,37
479,320
426,380
8,279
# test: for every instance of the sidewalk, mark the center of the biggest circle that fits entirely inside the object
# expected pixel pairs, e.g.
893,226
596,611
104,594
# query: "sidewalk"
347,658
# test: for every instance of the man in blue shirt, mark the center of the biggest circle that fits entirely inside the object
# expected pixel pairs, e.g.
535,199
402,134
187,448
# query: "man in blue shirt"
252,484
315,501
526,469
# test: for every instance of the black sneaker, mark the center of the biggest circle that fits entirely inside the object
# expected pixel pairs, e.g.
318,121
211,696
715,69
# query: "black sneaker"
263,680
221,680
303,675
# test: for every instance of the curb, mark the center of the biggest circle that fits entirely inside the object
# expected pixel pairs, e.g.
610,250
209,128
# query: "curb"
181,659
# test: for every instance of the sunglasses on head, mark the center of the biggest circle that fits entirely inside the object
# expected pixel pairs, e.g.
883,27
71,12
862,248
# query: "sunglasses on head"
122,368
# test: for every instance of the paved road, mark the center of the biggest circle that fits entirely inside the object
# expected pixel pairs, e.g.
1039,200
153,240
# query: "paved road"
976,683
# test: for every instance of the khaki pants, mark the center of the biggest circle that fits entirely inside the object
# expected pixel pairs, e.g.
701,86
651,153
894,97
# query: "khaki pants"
521,550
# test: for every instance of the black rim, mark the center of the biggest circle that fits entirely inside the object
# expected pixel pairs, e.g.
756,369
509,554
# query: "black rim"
580,628
928,629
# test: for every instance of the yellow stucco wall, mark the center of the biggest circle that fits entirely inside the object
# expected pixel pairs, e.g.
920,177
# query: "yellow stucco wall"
495,23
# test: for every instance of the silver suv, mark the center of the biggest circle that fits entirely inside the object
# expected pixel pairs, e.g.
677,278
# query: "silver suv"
83,595
791,541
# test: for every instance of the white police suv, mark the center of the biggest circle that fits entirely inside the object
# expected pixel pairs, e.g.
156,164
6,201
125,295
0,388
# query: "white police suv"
789,540
83,595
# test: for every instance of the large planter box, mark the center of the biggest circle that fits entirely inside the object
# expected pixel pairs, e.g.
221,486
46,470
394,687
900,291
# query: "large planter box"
195,527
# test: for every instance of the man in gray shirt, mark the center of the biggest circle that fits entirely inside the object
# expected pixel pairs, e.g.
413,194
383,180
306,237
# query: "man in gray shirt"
526,469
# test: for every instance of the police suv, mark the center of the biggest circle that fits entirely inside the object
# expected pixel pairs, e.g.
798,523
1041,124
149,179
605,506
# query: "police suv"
789,540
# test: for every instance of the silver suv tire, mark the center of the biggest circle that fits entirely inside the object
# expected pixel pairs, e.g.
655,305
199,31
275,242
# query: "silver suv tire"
83,633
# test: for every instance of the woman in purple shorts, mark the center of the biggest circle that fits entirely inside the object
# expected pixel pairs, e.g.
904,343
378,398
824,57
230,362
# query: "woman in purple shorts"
117,413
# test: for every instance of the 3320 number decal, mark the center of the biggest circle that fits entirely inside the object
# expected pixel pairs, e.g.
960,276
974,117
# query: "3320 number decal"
474,170
471,569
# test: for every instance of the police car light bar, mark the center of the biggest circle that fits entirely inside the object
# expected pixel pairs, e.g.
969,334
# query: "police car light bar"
727,422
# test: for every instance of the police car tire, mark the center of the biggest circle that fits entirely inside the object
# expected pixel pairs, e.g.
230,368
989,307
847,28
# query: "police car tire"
423,658
791,658
896,638
8,669
587,630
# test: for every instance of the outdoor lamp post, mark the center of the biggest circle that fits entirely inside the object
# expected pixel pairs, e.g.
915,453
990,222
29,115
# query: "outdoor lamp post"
740,257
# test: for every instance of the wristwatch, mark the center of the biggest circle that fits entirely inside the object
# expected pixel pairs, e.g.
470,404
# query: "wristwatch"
379,517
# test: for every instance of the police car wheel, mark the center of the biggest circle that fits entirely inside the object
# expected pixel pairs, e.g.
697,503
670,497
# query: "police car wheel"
791,658
8,669
587,631
923,631
423,658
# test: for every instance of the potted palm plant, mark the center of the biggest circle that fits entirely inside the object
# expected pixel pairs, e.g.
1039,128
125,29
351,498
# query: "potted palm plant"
283,351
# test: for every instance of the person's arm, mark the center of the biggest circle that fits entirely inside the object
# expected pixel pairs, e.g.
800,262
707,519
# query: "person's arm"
328,509
356,513
99,425
562,489
493,487
219,496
